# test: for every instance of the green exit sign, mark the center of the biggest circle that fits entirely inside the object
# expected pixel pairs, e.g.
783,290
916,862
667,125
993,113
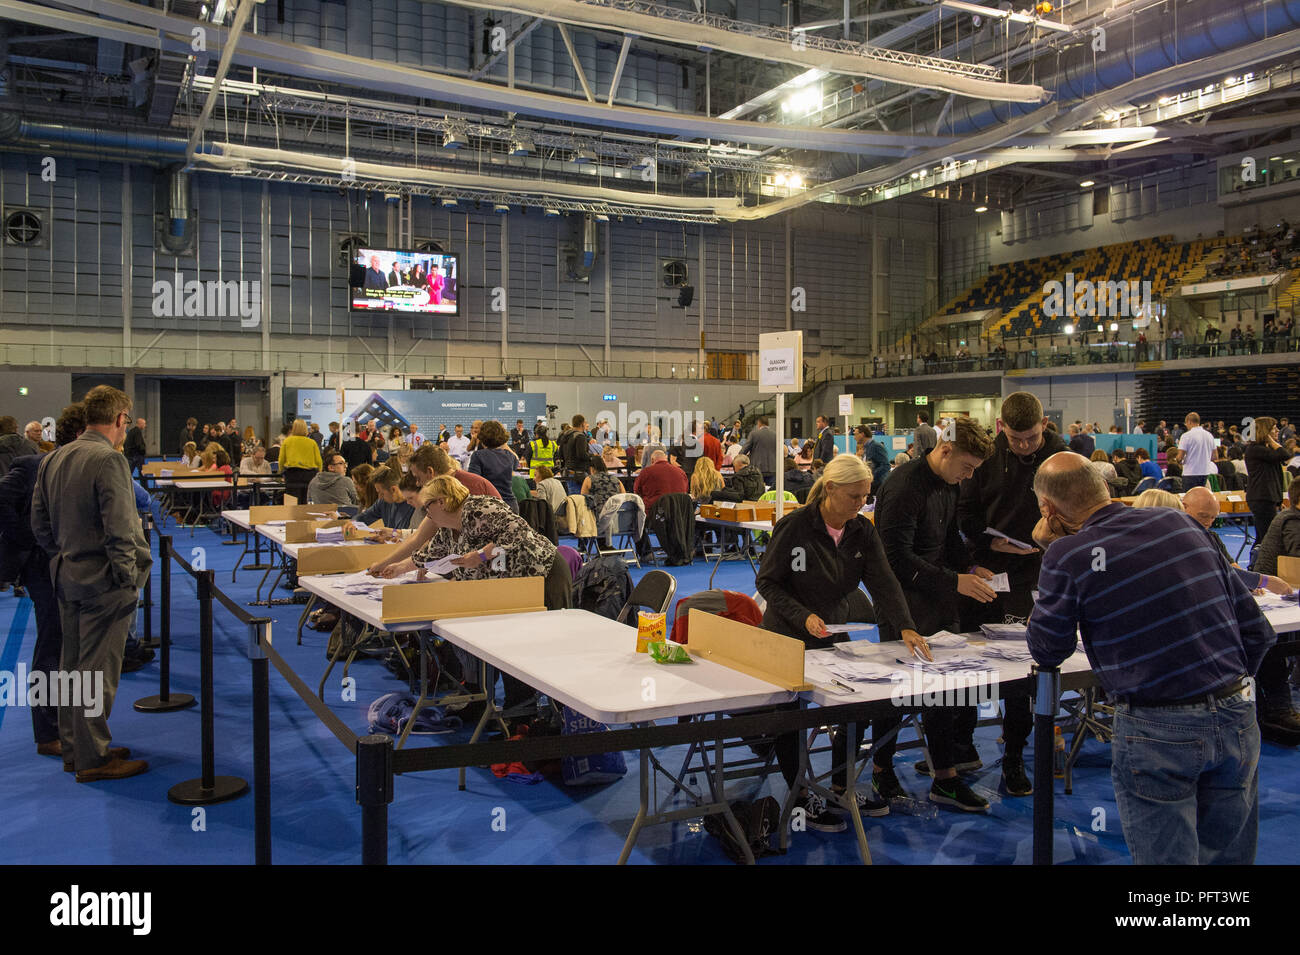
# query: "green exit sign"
922,399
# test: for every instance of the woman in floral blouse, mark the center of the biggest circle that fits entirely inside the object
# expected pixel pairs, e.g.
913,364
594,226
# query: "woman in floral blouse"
479,528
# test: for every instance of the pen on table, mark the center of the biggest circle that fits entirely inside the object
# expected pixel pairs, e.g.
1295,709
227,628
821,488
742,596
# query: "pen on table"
843,685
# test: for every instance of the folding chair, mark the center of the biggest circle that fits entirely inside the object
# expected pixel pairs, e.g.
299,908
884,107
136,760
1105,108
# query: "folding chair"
654,592
624,524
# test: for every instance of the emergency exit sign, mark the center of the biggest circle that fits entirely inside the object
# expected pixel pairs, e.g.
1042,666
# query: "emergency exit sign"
922,399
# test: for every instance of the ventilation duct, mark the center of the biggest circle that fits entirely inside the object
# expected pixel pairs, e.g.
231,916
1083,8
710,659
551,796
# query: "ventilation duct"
1151,42
175,235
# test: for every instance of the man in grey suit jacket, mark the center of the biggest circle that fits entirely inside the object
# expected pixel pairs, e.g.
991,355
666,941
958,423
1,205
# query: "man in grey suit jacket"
761,448
83,512
925,437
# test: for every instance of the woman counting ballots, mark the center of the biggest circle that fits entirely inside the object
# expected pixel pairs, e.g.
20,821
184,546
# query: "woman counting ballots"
813,565
492,541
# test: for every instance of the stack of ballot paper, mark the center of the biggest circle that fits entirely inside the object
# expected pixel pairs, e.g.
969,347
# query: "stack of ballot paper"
945,640
861,671
1008,651
329,535
946,663
1003,631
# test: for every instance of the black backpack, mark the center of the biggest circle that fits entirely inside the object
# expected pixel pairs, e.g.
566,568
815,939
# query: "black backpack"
758,821
603,586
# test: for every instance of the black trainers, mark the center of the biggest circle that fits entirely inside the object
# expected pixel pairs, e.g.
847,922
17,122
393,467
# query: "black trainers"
869,804
1014,780
967,762
817,816
954,792
886,785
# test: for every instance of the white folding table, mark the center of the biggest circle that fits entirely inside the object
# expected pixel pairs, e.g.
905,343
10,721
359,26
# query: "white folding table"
590,663
743,530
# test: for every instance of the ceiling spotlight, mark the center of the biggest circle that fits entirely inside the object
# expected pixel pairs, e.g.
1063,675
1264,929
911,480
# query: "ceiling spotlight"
521,147
1165,100
454,140
1114,326
1087,184
981,208
1100,328
1069,329
779,179
601,217
448,202
584,156
697,171
501,208
551,213
795,181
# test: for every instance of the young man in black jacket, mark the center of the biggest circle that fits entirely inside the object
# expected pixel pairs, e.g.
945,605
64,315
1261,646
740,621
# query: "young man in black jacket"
575,451
916,516
1000,495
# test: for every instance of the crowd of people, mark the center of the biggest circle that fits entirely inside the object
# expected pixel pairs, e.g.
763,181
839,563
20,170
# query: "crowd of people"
915,531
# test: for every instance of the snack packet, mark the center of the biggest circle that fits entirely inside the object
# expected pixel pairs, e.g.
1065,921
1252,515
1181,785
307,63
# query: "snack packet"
665,651
650,627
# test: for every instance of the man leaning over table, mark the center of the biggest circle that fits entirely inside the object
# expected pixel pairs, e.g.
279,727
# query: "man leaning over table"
1174,638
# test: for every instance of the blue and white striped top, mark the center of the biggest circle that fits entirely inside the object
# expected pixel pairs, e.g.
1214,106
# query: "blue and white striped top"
1162,614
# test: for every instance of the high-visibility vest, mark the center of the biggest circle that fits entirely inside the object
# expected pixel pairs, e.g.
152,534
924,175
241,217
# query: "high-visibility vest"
543,454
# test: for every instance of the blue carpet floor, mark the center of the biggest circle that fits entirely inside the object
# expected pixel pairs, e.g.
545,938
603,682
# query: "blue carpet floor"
316,820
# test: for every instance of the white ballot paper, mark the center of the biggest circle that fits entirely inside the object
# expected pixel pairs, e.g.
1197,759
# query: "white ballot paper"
846,627
1000,583
444,566
994,532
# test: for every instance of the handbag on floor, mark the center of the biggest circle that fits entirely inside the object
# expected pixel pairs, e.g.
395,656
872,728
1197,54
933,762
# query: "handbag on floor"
593,770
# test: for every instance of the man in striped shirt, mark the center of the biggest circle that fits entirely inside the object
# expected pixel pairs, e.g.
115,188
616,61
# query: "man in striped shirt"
1174,638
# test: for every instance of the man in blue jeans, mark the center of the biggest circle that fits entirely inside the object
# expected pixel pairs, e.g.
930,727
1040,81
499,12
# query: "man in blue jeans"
1174,638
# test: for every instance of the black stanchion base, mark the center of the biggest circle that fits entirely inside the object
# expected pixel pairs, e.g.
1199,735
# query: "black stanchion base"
156,704
192,793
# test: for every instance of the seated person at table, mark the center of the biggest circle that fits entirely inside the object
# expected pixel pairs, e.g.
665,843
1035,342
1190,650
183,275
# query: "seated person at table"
747,480
804,458
429,462
705,481
361,481
1283,537
610,458
1149,469
493,542
494,460
599,485
333,486
795,478
1101,462
549,488
389,506
410,486
1126,469
732,449
190,456
1174,463
255,463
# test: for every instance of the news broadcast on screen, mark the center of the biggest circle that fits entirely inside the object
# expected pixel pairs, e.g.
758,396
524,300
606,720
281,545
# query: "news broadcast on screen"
423,282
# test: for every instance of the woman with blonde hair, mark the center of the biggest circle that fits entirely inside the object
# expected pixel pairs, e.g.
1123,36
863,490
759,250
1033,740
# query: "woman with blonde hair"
705,481
300,461
1154,497
251,442
810,575
190,455
494,542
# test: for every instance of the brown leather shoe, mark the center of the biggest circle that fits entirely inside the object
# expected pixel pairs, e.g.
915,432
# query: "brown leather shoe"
114,752
54,748
113,769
